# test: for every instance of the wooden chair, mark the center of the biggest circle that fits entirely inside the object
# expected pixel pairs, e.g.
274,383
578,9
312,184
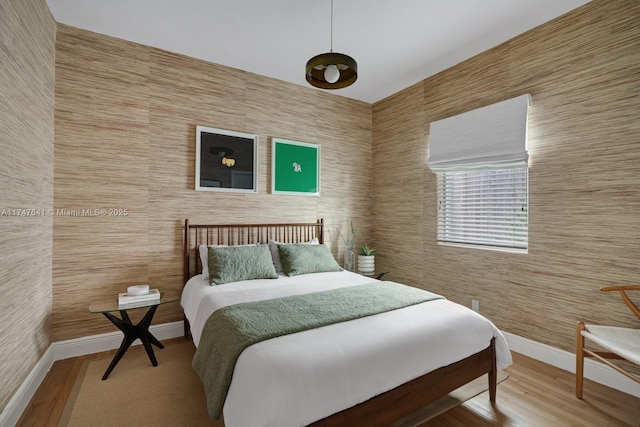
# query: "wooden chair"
621,343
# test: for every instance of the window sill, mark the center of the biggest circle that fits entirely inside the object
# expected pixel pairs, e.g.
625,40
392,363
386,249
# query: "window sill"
483,247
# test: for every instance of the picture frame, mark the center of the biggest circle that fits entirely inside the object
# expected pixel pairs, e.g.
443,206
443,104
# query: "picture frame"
295,168
226,160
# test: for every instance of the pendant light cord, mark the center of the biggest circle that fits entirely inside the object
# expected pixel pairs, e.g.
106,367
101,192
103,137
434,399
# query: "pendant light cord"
331,26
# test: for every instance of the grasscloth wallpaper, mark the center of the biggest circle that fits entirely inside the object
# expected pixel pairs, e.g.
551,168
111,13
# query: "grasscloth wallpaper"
27,42
125,119
583,72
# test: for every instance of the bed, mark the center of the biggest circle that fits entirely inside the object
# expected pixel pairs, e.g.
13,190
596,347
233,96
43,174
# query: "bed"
371,370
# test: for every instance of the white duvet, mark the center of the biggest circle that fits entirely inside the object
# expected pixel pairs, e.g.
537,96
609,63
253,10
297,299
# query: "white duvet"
300,378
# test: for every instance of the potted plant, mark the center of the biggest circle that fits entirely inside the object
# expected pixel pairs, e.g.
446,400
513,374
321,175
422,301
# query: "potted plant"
366,260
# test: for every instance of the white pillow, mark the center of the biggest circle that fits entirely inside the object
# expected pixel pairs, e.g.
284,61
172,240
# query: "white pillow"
204,257
275,255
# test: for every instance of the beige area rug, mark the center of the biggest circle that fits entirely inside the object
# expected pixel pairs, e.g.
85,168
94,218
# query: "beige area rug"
138,393
171,394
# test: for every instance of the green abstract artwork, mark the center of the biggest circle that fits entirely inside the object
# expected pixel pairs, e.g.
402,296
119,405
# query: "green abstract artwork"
296,168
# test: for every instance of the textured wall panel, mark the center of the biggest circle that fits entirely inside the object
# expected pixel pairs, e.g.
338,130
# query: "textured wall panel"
583,72
125,138
27,43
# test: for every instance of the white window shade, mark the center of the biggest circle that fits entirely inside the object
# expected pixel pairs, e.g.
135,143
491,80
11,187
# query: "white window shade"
492,137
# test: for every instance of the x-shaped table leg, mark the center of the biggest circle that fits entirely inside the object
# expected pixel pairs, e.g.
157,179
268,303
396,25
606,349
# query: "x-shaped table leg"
131,333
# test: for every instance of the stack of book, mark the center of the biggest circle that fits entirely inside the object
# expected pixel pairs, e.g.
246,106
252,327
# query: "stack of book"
146,299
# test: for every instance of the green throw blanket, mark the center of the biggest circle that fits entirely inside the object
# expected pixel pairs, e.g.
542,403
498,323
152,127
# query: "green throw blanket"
231,329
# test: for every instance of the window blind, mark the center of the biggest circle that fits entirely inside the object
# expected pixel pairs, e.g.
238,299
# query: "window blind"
487,208
492,137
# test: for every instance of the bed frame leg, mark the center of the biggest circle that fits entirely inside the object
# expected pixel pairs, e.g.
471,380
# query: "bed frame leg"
493,382
186,327
493,374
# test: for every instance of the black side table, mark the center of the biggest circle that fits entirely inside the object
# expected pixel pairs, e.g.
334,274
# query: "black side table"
131,332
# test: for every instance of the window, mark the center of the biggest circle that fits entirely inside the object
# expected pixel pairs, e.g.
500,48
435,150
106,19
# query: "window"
481,160
486,208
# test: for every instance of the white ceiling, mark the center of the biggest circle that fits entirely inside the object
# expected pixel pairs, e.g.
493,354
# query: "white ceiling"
396,42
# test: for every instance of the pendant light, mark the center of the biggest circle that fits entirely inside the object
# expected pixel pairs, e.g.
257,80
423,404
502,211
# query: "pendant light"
331,70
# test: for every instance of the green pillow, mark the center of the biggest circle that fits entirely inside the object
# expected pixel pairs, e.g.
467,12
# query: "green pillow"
299,258
234,263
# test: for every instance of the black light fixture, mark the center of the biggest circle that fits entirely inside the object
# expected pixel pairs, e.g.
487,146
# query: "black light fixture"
331,70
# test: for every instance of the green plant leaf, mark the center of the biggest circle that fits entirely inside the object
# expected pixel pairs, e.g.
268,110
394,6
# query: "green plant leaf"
366,250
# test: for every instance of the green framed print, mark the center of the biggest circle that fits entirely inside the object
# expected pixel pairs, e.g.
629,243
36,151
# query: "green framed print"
295,168
226,160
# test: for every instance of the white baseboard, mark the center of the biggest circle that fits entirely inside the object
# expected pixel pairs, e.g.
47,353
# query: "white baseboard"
109,341
565,360
72,348
12,412
96,343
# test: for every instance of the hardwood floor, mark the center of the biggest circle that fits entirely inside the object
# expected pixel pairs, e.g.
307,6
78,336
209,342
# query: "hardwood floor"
535,394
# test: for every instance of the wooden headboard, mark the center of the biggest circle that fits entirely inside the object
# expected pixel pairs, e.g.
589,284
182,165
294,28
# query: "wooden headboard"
242,234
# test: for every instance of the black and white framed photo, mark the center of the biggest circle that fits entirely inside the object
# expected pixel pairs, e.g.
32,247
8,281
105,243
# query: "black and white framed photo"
226,160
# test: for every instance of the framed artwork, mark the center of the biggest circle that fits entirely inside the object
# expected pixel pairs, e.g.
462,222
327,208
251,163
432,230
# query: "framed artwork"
226,160
295,168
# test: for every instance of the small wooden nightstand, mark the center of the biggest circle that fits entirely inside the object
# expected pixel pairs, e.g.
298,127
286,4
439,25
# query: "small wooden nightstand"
131,332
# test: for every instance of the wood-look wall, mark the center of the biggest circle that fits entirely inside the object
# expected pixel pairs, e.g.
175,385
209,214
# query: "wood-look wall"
583,72
27,43
125,120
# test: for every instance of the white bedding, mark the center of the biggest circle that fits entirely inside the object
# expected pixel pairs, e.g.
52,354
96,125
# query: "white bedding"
300,378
